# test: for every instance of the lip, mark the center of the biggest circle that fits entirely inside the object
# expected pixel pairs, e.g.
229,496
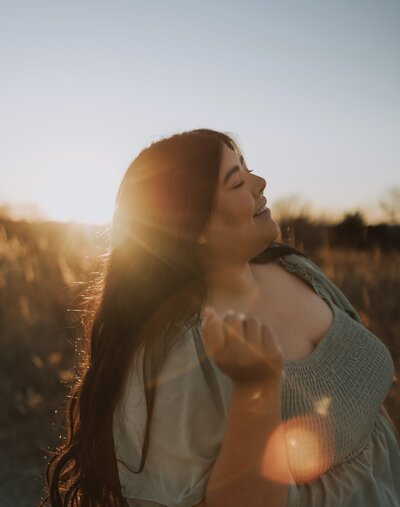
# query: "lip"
258,209
266,212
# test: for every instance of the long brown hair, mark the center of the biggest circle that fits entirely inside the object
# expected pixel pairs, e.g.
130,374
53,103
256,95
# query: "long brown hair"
148,284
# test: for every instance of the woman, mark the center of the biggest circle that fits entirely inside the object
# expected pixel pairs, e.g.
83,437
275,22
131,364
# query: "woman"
274,397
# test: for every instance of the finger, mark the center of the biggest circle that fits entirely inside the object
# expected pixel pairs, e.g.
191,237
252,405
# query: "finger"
207,312
236,349
271,342
252,329
233,326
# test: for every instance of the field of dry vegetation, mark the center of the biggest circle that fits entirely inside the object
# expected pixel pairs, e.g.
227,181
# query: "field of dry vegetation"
43,268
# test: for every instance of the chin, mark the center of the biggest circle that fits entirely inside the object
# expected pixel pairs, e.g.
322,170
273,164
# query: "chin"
270,234
273,231
274,234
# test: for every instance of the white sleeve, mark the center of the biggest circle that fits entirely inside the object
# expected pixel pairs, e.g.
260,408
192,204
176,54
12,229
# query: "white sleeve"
187,430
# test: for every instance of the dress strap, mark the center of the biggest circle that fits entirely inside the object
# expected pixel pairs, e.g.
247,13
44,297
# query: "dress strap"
306,275
208,370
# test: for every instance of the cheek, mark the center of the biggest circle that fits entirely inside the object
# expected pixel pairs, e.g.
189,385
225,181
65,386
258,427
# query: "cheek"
238,209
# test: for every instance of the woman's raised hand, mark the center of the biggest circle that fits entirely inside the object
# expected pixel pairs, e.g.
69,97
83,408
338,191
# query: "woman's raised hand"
242,347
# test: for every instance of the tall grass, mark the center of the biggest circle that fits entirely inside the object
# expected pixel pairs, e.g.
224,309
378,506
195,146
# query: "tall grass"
43,267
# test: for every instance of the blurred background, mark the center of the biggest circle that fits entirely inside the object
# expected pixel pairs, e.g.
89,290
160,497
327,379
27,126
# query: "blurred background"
309,89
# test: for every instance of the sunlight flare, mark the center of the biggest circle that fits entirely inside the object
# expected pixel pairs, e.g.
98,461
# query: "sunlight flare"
294,450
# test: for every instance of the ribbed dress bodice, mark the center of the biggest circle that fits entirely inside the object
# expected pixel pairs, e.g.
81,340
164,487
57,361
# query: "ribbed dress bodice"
332,397
342,451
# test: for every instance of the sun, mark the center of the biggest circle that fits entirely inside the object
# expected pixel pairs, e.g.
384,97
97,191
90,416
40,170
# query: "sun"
80,201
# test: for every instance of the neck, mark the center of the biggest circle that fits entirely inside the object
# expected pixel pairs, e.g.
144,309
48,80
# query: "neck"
230,284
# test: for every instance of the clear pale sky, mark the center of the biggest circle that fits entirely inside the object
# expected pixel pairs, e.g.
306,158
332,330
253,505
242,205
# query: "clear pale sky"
311,90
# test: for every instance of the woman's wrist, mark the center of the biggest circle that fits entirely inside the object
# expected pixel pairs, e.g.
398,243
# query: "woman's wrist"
258,398
261,388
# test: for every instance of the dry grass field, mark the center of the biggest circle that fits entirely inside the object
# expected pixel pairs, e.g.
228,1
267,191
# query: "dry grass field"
43,267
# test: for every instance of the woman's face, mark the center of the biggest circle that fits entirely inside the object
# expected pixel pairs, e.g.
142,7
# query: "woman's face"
233,231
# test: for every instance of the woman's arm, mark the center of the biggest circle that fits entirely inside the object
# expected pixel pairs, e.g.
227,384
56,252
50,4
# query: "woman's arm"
252,466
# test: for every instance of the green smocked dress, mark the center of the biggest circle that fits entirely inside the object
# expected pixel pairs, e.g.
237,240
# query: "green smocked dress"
342,451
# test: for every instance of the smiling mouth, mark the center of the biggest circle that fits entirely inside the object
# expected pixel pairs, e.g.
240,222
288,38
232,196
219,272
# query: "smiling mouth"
261,211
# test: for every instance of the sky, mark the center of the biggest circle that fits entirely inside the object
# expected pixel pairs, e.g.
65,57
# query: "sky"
310,89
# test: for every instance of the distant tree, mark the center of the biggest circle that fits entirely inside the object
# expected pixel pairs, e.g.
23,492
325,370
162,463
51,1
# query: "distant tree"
351,231
390,204
353,220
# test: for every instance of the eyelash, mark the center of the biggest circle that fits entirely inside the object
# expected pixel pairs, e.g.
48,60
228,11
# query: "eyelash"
242,182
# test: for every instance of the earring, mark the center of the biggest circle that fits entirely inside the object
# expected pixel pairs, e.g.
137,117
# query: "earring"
201,240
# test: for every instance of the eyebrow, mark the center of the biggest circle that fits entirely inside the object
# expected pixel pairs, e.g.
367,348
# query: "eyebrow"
233,170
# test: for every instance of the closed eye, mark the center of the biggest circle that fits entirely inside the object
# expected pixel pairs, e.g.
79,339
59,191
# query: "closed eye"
242,182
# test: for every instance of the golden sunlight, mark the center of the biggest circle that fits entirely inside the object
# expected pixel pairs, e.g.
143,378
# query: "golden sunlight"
86,200
294,450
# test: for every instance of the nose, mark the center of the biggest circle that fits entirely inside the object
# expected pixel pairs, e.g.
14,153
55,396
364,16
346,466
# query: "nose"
261,183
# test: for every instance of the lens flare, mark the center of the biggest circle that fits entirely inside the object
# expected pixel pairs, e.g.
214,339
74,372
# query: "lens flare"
297,451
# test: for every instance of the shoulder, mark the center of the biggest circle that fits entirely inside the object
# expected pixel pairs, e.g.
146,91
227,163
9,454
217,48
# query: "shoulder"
280,255
186,378
276,250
